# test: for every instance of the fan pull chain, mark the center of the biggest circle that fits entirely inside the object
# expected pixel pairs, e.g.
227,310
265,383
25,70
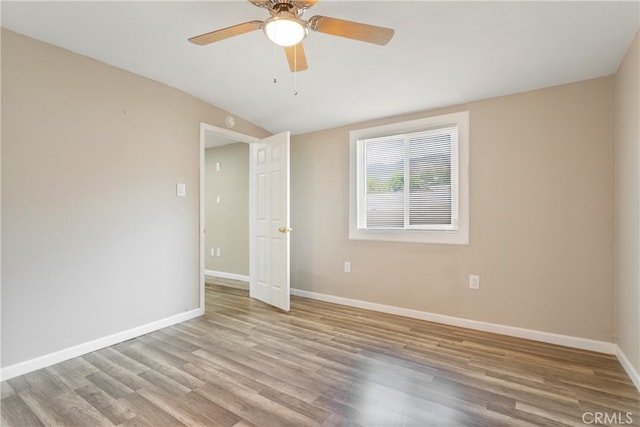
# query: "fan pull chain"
295,72
275,63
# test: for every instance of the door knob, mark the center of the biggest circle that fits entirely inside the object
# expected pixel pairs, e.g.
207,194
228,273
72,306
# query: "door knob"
284,230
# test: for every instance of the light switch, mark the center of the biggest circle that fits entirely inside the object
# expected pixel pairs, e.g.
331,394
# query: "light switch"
218,166
181,189
218,199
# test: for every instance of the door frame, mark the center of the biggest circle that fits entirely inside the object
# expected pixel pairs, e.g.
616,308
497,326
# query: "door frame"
207,129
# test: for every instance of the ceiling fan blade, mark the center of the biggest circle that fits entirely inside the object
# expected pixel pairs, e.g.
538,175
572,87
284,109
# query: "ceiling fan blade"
351,30
225,33
304,3
296,58
261,3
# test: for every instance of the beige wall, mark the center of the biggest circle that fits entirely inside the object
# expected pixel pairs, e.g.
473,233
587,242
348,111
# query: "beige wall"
627,204
94,239
227,223
541,219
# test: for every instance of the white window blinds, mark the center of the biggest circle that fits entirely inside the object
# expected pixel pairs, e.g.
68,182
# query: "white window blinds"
409,181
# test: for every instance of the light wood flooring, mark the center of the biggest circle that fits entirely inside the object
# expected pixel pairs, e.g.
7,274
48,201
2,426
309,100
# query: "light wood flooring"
247,364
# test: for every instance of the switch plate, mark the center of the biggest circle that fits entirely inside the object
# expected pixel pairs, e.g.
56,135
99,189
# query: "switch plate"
181,189
218,199
218,166
217,251
474,281
213,252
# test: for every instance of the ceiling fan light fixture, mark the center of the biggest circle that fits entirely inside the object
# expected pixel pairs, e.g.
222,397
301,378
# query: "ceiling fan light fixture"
285,29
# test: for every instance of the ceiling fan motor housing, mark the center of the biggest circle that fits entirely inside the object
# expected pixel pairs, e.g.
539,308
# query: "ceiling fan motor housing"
293,6
284,6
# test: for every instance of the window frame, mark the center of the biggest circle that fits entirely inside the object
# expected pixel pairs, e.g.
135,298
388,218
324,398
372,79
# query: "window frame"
413,235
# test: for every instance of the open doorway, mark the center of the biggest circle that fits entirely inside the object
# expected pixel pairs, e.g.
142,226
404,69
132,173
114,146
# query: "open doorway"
224,206
268,219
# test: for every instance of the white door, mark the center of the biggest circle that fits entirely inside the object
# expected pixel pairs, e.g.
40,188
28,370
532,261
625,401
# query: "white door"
269,221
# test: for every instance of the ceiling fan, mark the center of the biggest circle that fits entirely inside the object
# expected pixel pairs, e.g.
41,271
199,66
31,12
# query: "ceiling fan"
286,28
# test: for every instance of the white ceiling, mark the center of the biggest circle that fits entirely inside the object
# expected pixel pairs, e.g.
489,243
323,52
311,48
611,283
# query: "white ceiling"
443,53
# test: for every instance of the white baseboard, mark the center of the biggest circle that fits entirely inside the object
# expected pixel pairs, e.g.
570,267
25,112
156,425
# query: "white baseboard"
569,341
628,367
223,275
547,337
78,350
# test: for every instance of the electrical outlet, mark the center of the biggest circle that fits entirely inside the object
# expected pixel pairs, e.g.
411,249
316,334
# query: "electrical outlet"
347,266
474,281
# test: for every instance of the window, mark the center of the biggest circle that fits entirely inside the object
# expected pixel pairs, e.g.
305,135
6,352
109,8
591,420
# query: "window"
409,181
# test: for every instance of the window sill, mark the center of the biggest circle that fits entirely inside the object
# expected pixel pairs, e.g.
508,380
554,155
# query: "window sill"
459,237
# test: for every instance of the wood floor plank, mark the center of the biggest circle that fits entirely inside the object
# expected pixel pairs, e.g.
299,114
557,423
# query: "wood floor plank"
174,342
149,355
520,417
247,364
73,372
158,379
251,406
6,390
116,371
546,412
298,405
78,411
383,406
336,420
116,411
148,414
18,384
210,373
188,411
294,385
122,361
42,382
47,409
15,412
